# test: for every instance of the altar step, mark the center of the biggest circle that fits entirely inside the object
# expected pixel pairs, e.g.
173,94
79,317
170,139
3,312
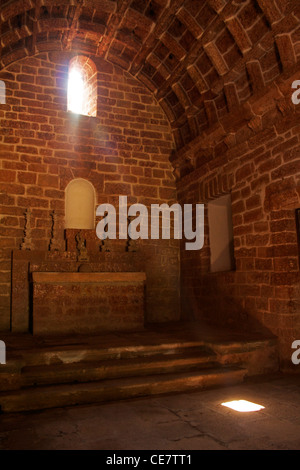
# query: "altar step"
53,372
78,363
53,396
125,374
114,368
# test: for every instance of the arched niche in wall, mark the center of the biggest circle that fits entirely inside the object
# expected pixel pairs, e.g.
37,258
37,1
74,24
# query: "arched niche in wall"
80,205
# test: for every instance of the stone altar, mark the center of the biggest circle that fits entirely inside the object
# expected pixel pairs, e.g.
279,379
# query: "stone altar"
84,303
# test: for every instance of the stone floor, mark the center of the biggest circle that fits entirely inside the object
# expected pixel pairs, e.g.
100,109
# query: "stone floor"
194,421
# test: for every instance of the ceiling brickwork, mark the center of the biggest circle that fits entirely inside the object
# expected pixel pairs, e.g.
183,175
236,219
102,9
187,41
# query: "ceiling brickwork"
200,58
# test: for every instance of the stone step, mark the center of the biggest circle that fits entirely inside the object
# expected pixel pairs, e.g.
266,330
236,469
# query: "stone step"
53,396
116,368
14,376
71,353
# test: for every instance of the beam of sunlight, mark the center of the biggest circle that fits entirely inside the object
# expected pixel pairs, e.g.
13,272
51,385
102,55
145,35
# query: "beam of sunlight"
243,406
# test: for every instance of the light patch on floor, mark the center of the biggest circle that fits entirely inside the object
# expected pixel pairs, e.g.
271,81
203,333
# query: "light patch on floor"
243,406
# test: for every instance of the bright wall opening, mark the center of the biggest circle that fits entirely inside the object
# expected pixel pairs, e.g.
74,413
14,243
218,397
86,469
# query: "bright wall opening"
2,92
221,234
80,205
82,86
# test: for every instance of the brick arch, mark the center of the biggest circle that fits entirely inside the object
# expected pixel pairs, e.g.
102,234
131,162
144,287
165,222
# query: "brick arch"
189,47
125,150
137,144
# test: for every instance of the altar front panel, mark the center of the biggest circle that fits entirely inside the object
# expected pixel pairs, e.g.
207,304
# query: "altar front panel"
87,303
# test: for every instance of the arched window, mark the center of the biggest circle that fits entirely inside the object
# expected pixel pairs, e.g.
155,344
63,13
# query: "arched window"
82,86
80,205
2,92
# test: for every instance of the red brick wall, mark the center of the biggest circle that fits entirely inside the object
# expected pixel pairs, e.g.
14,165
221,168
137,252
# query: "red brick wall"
253,154
124,151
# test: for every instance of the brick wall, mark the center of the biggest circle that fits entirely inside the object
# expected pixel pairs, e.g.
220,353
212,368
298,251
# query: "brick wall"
123,151
254,155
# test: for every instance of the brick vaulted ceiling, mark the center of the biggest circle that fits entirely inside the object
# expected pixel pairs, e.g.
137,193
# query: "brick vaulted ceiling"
200,58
